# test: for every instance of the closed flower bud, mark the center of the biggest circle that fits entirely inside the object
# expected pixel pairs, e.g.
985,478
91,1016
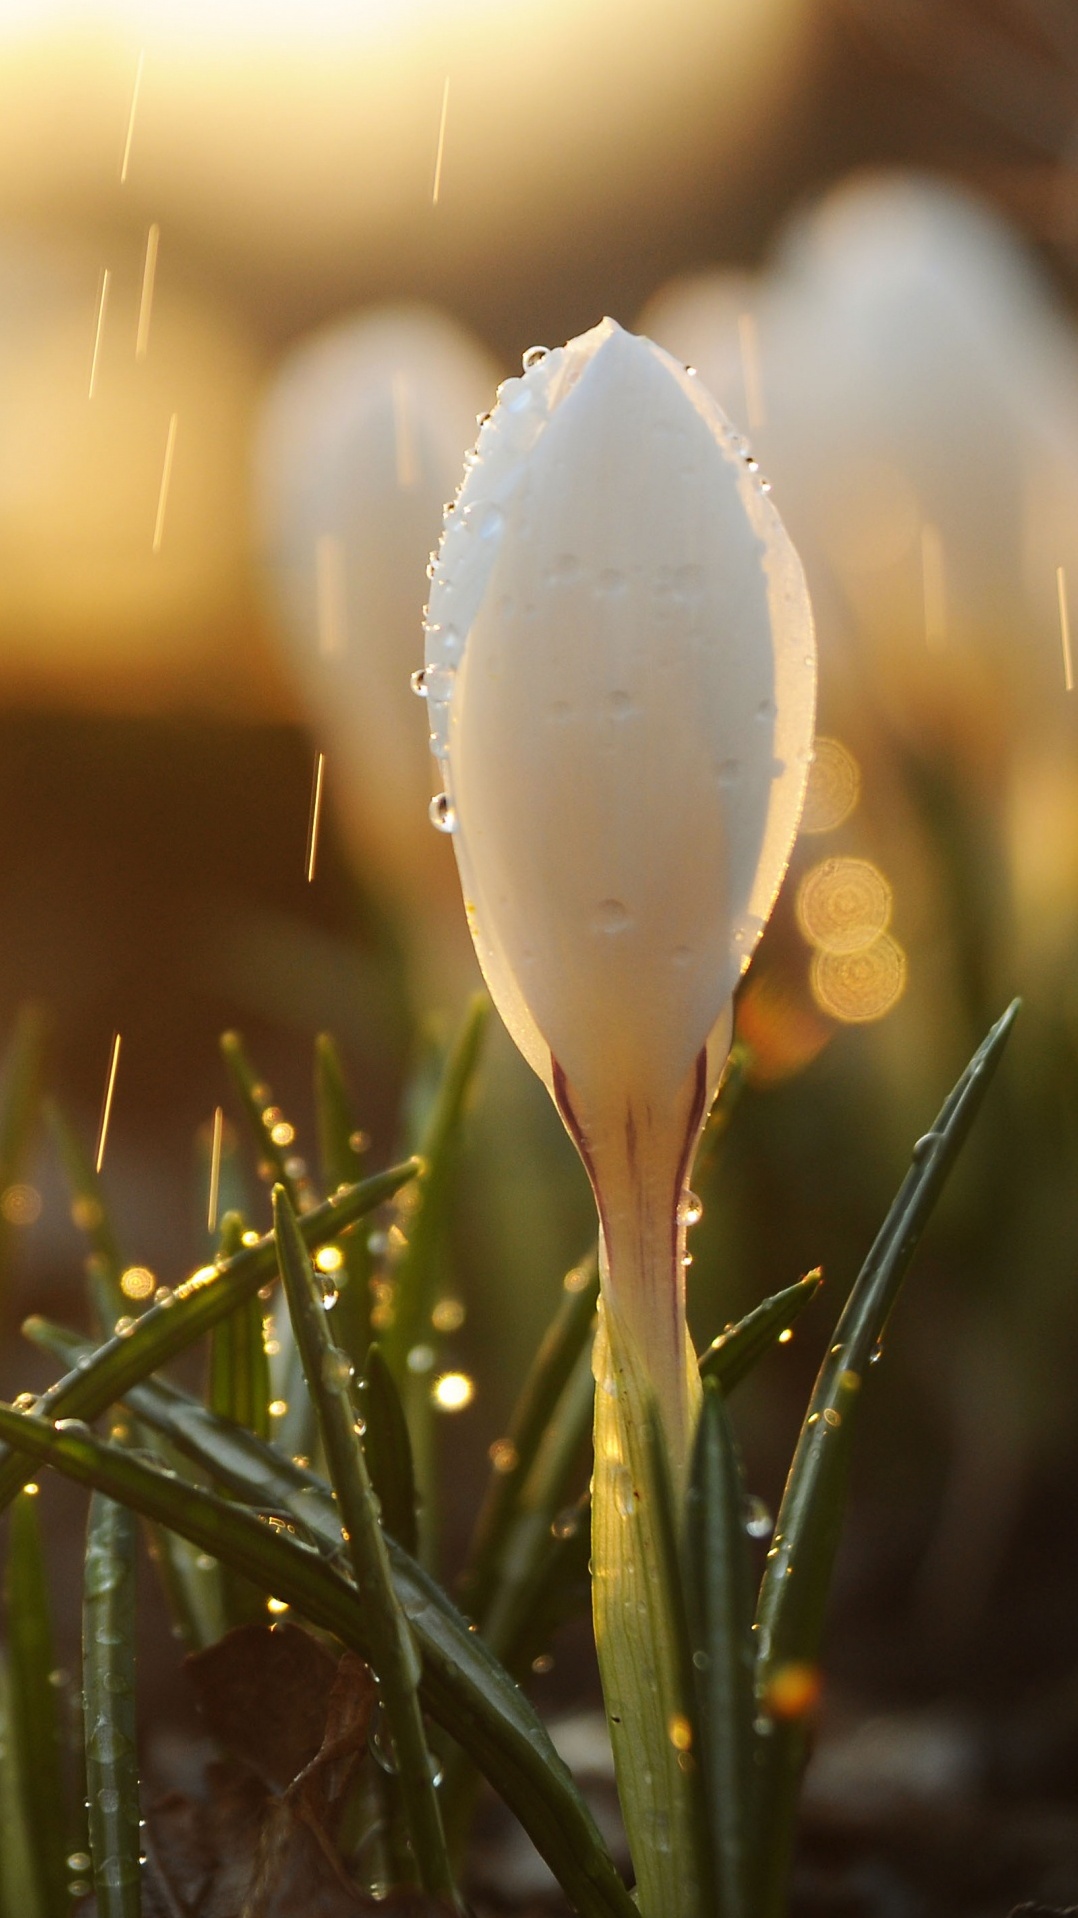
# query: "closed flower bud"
620,676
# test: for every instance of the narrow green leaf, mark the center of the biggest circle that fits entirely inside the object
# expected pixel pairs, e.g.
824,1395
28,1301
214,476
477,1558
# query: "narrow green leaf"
514,1456
239,1383
108,1678
328,1371
88,1208
415,1276
194,1308
732,1356
719,1596
20,1893
793,1596
388,1450
35,1729
464,1688
263,1118
20,1104
342,1149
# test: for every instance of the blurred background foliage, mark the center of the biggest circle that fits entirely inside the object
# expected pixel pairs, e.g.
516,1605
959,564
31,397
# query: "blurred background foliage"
260,267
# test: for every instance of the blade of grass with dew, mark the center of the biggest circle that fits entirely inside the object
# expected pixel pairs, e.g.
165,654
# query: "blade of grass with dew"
238,1389
19,1889
394,1657
793,1595
514,1455
719,1602
417,1270
732,1356
274,1139
464,1688
88,1209
194,1590
342,1148
108,1679
20,1106
388,1450
35,1730
197,1305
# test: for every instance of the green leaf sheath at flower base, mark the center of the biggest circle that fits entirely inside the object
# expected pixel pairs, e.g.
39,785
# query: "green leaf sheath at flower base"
394,1656
108,1680
193,1309
388,1449
415,1276
34,1723
514,1455
20,1104
793,1596
732,1356
342,1150
464,1688
719,1601
638,1644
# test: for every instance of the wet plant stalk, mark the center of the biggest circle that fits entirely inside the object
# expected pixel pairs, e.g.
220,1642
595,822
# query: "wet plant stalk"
108,1676
394,1656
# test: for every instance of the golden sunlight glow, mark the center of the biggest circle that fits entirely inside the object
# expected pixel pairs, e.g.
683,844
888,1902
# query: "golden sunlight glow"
858,987
843,905
20,1204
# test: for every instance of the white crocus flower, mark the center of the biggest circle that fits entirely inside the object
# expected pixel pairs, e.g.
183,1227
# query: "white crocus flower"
620,676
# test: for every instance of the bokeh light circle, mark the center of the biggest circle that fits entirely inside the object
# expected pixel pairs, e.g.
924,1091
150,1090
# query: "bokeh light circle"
858,987
843,905
834,787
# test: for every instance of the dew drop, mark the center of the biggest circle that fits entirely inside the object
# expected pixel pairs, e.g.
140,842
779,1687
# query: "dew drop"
624,1496
533,357
924,1146
336,1370
611,916
690,1209
758,1520
441,814
419,683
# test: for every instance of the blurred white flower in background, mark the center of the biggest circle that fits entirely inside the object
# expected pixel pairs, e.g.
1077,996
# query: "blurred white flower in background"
361,444
90,612
910,384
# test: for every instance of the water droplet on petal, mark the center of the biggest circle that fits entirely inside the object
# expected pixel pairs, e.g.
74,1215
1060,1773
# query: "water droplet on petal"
611,916
758,1520
624,1496
441,814
533,357
419,683
690,1208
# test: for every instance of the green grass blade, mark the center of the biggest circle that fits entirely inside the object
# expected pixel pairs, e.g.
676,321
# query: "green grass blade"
19,1890
514,1455
342,1150
35,1729
275,1158
238,1386
388,1450
20,1104
108,1679
793,1596
88,1208
732,1356
719,1598
416,1274
464,1688
394,1657
208,1296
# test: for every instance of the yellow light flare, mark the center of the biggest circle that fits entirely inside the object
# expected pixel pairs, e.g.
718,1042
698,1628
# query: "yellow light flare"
166,481
857,987
138,1282
448,1315
453,1391
106,1107
215,1168
99,328
437,188
329,1258
793,1690
834,787
843,905
145,305
312,828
